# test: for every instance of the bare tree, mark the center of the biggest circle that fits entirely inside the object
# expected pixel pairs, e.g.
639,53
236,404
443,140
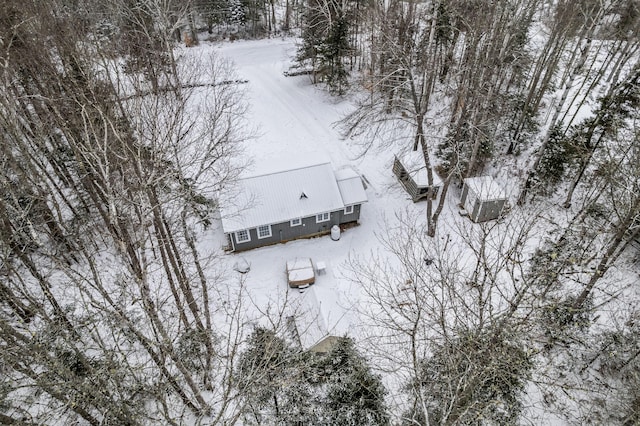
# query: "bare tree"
585,32
109,314
464,293
573,267
467,55
614,110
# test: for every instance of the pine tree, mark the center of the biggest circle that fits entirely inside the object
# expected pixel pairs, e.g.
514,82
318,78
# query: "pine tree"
281,384
353,394
237,14
325,44
271,376
332,52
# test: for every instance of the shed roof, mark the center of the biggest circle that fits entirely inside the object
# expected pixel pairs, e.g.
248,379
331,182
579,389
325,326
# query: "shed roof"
281,196
319,316
485,188
413,162
311,321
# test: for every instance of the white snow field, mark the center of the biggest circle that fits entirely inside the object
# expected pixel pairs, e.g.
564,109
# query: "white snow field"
294,123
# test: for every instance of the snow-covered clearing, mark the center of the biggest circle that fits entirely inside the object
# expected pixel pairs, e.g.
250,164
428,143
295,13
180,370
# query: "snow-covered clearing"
294,125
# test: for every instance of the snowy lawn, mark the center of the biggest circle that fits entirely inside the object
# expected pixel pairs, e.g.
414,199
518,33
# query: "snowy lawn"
294,125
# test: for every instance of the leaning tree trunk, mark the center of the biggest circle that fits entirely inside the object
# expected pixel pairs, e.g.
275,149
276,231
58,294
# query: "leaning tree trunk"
614,250
541,151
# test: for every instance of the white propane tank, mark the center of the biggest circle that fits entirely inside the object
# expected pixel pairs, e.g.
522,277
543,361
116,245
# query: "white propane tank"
335,232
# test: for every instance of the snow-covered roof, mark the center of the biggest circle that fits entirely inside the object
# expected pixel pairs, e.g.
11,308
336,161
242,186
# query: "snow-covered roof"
319,318
485,188
350,187
311,322
413,162
281,196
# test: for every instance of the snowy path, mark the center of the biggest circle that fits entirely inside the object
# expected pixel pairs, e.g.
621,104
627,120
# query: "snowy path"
294,119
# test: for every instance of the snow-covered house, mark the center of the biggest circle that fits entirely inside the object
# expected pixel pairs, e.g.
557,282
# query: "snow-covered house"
483,198
412,174
290,204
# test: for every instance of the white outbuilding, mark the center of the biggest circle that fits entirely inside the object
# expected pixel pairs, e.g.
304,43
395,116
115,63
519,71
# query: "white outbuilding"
483,198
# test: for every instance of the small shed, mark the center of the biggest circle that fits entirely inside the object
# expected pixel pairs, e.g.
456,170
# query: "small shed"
412,174
483,198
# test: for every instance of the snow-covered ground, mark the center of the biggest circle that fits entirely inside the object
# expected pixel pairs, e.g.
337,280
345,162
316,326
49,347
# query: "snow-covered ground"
295,125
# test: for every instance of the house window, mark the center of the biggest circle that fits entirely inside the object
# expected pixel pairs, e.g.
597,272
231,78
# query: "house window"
264,231
296,222
243,236
348,210
322,217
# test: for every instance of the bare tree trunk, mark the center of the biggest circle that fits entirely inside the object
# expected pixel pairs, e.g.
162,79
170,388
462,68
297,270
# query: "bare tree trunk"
615,248
534,167
607,109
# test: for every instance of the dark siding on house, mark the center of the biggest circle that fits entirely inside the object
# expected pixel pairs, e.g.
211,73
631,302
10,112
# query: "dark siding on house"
282,232
404,178
463,197
475,211
347,218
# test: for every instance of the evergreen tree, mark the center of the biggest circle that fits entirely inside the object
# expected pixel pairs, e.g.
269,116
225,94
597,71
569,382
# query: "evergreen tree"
213,12
237,13
332,52
560,154
353,394
325,44
270,375
283,385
